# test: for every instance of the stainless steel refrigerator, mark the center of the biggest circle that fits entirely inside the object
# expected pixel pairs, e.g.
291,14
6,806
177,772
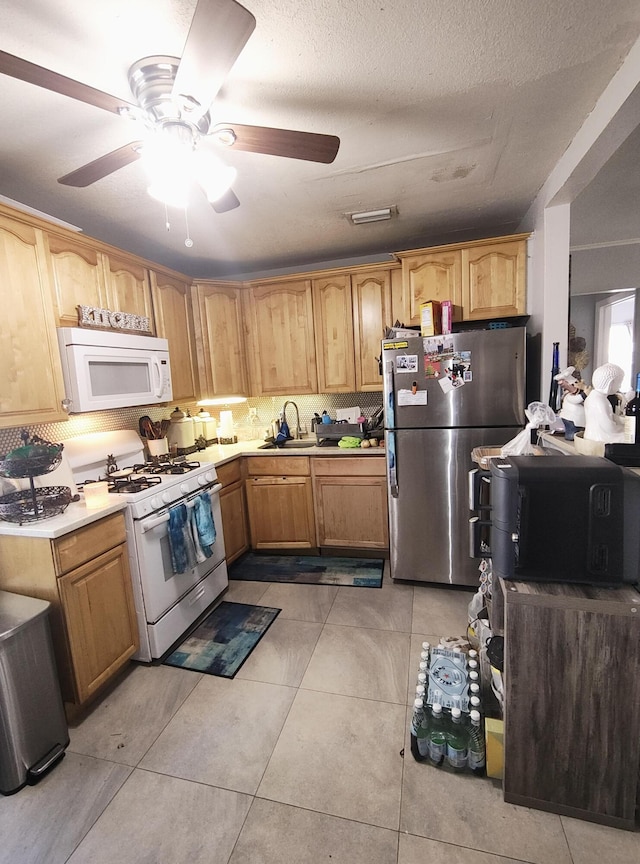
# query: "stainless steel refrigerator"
443,396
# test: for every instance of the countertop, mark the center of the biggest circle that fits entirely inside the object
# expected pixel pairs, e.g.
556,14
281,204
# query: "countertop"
221,453
77,515
560,443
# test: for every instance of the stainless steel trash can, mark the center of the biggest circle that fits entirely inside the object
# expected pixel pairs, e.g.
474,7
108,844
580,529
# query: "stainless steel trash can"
33,726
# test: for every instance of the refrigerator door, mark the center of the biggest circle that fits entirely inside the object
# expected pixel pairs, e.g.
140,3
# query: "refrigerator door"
429,502
475,378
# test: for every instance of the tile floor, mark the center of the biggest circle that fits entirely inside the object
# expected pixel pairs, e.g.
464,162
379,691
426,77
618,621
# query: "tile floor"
295,761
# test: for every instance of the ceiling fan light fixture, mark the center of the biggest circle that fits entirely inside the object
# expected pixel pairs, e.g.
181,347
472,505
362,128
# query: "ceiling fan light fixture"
213,175
373,215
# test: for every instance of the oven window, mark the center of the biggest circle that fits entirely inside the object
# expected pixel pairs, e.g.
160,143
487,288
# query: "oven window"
111,378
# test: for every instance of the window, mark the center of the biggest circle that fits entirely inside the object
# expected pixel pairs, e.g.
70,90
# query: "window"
614,335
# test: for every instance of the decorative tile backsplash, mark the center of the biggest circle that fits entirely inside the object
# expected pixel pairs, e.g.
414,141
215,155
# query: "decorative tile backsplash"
246,426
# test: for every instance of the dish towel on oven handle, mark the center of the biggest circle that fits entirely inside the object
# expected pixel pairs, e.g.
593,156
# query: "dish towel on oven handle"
204,524
183,550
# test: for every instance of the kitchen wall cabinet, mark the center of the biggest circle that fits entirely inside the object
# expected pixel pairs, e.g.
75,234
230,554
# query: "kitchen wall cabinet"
333,324
484,278
351,310
494,280
429,275
350,497
86,275
85,576
128,287
219,337
280,338
371,295
31,387
234,510
172,313
280,503
79,277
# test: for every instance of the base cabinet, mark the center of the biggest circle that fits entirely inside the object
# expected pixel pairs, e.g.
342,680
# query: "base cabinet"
234,510
351,502
572,700
85,576
97,613
280,505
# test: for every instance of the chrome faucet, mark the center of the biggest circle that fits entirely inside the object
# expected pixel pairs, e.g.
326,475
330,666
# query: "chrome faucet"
298,432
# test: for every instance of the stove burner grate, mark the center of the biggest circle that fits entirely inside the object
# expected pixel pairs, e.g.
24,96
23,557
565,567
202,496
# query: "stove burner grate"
166,467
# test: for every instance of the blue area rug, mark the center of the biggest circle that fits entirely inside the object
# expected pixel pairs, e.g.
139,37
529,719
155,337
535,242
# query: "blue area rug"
224,640
309,569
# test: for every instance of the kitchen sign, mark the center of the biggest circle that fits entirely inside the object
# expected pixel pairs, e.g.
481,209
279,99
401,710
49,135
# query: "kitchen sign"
105,319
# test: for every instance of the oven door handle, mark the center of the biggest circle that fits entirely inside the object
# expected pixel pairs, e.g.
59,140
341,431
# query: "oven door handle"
150,524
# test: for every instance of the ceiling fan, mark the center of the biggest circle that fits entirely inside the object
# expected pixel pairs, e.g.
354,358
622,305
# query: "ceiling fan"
173,97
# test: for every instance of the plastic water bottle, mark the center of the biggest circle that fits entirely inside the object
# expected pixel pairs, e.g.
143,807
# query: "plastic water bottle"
437,735
419,732
420,691
477,746
457,741
474,704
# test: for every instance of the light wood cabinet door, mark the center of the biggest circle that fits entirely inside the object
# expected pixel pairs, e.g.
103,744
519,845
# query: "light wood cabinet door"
172,313
352,512
219,332
282,355
430,276
97,603
79,277
371,292
281,512
31,387
234,521
350,497
494,280
333,324
128,288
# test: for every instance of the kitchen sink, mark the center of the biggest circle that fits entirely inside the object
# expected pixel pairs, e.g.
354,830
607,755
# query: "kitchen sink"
287,445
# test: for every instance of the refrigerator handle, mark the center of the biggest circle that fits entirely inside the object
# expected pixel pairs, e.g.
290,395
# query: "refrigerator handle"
477,480
392,467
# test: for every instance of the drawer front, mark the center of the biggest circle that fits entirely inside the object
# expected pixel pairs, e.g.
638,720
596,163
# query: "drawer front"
229,473
74,549
278,466
349,466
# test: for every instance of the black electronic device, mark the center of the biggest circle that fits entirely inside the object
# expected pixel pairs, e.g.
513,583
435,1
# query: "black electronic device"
564,519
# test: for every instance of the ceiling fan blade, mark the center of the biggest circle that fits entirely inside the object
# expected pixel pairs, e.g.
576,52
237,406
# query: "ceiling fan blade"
227,202
218,33
23,70
279,142
103,166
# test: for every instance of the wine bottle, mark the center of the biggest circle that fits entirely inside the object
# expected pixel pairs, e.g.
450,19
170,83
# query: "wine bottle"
632,417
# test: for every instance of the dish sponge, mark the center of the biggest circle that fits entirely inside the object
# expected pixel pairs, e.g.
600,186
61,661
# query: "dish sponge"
349,441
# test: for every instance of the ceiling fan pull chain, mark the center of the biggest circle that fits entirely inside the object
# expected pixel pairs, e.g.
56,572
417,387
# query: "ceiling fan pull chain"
188,241
167,224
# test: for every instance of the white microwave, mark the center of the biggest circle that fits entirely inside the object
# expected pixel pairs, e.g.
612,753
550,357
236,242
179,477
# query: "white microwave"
104,369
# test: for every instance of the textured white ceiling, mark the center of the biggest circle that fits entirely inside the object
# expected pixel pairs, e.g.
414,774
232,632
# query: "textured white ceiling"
453,111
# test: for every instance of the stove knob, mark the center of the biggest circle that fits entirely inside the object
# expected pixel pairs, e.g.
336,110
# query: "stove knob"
184,488
166,497
202,479
155,503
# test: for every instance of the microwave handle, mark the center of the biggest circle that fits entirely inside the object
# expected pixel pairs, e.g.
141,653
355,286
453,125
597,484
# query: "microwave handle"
158,371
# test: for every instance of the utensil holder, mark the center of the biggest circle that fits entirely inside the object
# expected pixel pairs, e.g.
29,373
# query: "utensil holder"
157,446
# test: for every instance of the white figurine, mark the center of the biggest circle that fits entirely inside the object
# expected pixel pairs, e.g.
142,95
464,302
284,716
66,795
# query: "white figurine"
601,424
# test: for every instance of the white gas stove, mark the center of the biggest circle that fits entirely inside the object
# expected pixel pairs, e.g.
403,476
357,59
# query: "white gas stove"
167,603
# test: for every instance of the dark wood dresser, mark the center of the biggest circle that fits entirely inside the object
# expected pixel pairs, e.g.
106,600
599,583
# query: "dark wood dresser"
572,699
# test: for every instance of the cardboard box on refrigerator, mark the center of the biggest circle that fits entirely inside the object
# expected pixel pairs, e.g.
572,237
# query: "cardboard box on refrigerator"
430,318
